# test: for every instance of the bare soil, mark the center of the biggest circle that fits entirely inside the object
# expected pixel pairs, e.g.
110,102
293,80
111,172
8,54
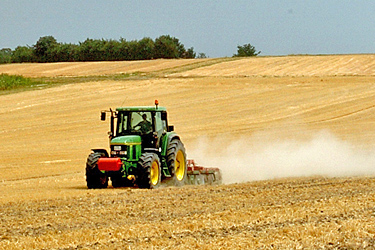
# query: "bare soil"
46,135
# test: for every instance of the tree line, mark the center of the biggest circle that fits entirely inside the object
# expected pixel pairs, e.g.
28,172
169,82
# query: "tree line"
47,49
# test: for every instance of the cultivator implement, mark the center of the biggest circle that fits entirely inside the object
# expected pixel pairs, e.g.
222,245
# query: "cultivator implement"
198,175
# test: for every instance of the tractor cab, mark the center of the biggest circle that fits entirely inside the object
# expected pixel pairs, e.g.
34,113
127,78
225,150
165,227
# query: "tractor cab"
143,122
140,122
145,125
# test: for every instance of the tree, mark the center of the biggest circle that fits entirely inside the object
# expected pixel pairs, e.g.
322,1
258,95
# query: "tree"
65,52
23,54
133,50
5,55
123,50
246,50
43,46
190,53
146,48
168,47
201,55
92,50
111,48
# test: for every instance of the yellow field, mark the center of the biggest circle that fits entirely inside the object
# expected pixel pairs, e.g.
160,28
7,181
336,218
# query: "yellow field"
261,120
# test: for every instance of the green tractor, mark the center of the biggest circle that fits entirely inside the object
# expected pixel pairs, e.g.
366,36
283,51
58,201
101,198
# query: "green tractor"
144,151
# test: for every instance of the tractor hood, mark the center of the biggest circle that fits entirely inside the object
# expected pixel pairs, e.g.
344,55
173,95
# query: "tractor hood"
127,140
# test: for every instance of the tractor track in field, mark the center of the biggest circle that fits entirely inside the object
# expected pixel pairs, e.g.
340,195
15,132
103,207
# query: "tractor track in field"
346,115
7,181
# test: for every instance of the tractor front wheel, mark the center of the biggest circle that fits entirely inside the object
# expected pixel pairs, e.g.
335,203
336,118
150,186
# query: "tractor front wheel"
149,175
94,177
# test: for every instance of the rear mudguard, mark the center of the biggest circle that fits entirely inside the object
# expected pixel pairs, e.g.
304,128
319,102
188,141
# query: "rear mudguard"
166,139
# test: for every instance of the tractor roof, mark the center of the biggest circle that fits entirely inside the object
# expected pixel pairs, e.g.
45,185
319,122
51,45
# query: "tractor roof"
142,109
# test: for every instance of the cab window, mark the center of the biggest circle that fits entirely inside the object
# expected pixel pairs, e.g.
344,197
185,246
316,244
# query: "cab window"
122,121
158,122
141,122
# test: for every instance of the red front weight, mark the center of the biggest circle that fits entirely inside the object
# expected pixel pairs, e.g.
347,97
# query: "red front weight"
109,164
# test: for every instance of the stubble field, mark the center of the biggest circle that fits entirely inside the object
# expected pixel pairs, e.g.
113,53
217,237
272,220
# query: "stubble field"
293,135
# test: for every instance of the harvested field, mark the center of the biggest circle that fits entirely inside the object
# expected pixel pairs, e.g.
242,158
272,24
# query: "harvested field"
291,213
293,135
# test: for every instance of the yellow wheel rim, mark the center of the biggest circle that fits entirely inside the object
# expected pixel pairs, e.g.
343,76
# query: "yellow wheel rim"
179,166
154,173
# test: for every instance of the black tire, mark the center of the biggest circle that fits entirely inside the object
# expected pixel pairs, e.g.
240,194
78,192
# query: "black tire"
149,171
176,161
95,178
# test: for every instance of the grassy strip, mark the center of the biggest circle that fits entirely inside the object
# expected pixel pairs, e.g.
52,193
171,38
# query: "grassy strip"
16,83
10,82
93,78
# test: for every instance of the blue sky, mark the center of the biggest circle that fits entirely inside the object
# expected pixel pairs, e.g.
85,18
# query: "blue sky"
275,27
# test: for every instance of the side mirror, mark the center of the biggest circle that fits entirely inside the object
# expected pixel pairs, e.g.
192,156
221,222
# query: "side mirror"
102,116
170,128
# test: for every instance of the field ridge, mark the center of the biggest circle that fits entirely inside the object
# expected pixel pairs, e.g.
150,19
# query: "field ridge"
322,65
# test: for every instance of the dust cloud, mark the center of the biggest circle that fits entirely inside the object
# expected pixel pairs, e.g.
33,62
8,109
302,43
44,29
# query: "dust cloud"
260,158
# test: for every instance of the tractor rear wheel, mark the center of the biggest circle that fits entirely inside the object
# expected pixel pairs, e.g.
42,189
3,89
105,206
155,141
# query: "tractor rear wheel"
176,160
95,178
149,175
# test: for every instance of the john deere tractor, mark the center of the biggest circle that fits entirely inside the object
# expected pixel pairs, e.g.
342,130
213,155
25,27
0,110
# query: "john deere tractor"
144,151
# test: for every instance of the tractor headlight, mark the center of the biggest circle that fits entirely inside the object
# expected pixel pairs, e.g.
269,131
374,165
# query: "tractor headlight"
116,148
122,152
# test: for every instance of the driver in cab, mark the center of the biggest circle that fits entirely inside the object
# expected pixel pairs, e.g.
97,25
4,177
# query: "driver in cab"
145,125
